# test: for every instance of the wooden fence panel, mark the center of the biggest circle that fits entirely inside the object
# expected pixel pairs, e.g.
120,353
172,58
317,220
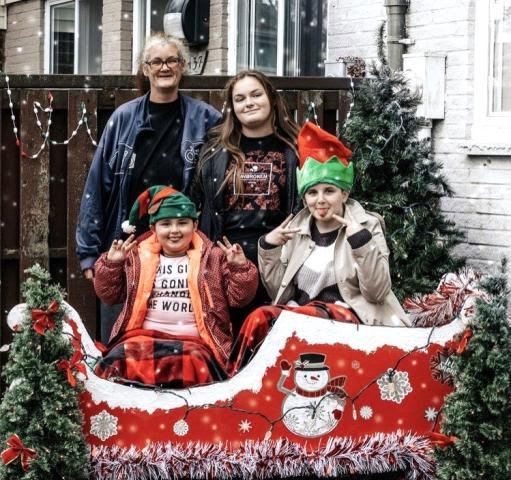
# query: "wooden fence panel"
216,99
79,157
123,96
35,190
330,106
9,220
41,197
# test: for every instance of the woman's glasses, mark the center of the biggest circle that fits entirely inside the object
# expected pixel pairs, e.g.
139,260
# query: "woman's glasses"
157,63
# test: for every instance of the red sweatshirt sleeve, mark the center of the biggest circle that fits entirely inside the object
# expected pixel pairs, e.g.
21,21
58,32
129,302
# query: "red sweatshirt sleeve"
109,281
241,283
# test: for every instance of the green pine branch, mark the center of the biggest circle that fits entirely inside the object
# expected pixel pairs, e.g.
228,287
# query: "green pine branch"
397,177
478,412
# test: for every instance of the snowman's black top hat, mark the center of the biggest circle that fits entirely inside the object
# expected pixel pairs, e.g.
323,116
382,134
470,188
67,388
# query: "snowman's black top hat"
311,361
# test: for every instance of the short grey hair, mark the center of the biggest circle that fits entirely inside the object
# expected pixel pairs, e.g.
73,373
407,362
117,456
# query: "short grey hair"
160,38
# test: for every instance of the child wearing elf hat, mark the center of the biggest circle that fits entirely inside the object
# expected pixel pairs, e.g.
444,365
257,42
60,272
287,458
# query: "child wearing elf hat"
331,259
177,287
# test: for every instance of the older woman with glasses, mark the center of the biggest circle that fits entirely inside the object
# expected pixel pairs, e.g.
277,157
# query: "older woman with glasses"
151,140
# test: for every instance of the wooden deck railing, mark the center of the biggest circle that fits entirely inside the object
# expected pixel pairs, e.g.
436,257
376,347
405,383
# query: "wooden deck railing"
40,197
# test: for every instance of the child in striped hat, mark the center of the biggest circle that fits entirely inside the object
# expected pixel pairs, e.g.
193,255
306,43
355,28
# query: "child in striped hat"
177,287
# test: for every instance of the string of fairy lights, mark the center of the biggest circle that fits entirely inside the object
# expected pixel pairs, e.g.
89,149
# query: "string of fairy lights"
83,120
45,131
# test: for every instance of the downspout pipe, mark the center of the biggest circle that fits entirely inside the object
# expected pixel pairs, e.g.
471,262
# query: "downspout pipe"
396,19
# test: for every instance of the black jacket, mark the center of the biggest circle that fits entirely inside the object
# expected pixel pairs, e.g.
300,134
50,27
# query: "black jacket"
211,176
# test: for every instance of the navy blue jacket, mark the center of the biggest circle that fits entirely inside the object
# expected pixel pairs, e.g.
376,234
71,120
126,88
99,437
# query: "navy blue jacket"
104,203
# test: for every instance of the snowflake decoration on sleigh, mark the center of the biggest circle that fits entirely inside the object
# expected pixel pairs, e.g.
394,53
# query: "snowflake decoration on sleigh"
394,385
442,366
103,425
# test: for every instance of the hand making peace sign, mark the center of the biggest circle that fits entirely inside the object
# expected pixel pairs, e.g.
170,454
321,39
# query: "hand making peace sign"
119,249
280,235
233,253
352,226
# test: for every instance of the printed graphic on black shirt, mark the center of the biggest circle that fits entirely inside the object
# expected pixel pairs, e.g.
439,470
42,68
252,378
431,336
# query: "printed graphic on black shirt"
263,179
256,179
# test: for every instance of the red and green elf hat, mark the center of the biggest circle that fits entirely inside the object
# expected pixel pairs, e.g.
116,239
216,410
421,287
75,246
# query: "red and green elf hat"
159,202
323,159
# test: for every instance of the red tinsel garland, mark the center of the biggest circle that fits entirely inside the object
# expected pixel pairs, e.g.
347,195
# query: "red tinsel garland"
377,453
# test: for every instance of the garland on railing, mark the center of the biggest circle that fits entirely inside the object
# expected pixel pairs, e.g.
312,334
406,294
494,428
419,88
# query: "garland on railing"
45,134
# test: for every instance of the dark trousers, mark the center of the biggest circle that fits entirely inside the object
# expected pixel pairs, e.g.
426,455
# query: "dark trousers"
109,314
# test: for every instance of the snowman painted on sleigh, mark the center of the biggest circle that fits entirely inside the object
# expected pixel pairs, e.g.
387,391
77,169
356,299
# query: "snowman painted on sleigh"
316,404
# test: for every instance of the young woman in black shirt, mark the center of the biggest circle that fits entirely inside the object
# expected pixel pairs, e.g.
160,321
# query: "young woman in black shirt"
245,184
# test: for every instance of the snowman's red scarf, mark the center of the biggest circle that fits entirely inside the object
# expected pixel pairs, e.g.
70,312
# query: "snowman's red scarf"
334,386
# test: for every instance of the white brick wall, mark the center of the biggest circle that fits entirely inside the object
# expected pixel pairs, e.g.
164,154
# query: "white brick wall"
117,36
24,40
480,207
352,26
218,38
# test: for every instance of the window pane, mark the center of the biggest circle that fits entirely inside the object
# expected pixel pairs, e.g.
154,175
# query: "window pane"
265,36
62,37
243,40
157,12
501,14
90,34
292,38
308,52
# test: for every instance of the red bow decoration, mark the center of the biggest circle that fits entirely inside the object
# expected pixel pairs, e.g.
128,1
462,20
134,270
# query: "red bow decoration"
17,449
441,440
74,364
42,320
462,345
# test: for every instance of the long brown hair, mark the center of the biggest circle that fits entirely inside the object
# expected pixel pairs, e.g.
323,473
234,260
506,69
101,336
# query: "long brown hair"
227,135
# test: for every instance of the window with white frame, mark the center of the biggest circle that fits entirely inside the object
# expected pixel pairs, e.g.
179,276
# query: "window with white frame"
500,57
147,19
73,36
279,37
492,72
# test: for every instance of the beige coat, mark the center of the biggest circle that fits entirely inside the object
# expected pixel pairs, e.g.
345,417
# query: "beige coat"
362,274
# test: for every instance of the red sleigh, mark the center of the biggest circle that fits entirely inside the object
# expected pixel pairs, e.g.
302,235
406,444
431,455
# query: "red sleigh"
375,409
382,419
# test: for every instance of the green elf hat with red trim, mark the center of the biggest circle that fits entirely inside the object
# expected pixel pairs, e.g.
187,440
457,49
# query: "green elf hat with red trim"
159,202
323,159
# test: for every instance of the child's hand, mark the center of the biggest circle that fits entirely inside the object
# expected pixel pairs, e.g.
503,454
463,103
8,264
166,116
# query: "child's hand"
233,253
119,249
352,226
280,235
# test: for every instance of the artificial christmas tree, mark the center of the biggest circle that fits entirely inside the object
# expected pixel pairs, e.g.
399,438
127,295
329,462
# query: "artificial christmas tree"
40,420
478,412
396,176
